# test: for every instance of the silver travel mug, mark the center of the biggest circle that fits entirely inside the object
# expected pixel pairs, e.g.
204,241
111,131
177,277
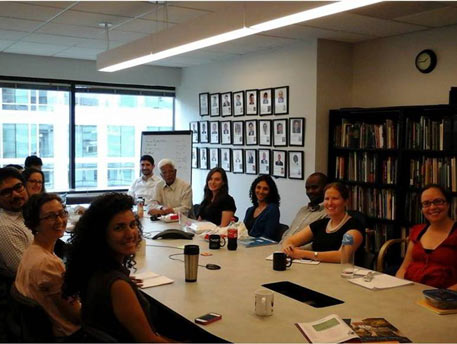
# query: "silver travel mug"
191,253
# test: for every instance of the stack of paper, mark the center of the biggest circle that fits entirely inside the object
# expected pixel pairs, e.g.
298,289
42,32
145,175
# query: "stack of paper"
299,261
151,279
380,281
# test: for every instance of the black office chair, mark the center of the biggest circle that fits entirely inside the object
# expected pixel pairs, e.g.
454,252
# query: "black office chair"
34,323
282,229
6,280
367,258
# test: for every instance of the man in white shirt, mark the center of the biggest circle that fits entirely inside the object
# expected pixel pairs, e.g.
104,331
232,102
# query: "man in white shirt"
15,237
145,185
314,211
172,195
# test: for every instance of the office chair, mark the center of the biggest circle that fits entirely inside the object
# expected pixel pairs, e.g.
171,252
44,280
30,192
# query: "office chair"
367,259
6,279
280,232
383,264
34,323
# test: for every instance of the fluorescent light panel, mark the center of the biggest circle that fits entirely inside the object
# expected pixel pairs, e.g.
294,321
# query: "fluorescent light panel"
318,12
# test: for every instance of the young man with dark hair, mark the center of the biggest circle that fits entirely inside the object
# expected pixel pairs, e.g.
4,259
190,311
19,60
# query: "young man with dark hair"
33,161
145,185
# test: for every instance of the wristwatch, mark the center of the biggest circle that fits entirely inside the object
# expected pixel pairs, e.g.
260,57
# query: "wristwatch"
315,255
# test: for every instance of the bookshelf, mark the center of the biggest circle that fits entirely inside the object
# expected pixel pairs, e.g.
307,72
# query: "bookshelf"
386,155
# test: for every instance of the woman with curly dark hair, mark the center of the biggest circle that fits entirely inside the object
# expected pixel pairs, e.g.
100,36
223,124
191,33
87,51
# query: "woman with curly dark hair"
262,219
217,206
102,249
34,181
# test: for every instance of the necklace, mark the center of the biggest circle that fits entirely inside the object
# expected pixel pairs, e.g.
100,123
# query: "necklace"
331,229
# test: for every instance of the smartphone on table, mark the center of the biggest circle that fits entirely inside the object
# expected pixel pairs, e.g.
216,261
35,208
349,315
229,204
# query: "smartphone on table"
208,318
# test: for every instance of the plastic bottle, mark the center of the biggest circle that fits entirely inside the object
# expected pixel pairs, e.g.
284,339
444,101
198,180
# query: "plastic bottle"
140,207
232,236
347,256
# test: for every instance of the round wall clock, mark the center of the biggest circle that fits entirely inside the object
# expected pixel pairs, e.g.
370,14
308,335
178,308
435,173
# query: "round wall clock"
426,61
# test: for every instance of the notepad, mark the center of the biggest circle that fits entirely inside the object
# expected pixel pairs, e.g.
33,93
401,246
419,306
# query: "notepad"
380,281
254,242
299,261
151,279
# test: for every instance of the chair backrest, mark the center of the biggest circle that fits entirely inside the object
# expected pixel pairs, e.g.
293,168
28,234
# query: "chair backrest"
282,229
34,322
367,259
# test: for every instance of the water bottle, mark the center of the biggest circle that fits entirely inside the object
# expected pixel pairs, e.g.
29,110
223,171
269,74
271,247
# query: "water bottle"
140,207
191,253
347,256
232,236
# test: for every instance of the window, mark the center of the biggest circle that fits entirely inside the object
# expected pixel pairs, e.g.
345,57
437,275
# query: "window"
35,120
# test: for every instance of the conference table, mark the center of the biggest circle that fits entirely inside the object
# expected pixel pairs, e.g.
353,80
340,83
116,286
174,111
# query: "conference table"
230,292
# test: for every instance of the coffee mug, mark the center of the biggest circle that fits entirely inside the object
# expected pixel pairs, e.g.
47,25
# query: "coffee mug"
281,261
215,242
264,301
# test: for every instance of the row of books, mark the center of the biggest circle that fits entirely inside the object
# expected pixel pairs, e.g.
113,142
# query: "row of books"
382,233
427,134
367,135
363,167
373,202
426,170
414,208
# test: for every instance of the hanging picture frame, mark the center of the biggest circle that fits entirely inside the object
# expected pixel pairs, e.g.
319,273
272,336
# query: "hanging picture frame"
238,133
265,101
226,132
213,157
215,110
296,131
251,132
295,167
204,127
281,100
279,163
251,102
239,108
203,101
203,156
195,132
214,136
238,161
264,161
226,159
194,157
265,132
280,132
227,108
250,156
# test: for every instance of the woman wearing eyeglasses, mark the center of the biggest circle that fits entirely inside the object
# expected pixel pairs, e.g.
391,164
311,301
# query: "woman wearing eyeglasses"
40,272
34,181
431,257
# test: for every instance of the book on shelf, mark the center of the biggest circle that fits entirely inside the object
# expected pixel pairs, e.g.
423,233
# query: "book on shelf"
333,329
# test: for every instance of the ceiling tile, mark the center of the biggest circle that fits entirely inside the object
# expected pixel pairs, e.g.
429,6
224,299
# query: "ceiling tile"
141,25
435,18
175,14
116,8
364,25
55,4
18,24
79,53
12,35
395,9
4,44
124,36
72,30
208,6
27,11
34,49
65,41
79,18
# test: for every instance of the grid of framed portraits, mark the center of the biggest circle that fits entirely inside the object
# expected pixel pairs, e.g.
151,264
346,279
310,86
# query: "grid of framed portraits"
279,163
263,102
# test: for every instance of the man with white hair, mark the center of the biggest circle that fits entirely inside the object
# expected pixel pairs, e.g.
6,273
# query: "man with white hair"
173,194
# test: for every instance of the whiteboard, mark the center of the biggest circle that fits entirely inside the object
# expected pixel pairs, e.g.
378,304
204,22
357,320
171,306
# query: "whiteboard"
175,145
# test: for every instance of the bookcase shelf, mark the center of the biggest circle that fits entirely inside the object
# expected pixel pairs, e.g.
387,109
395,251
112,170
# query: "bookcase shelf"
386,155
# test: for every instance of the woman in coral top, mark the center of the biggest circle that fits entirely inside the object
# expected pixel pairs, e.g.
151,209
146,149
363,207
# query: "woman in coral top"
431,257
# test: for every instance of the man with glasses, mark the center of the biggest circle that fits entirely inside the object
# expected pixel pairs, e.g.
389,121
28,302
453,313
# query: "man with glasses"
173,194
15,237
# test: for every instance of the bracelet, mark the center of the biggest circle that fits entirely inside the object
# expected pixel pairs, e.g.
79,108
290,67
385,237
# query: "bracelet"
316,255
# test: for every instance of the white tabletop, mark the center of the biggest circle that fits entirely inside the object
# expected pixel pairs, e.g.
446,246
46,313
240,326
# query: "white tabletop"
230,292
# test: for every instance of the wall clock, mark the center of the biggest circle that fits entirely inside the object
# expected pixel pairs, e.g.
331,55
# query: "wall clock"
426,61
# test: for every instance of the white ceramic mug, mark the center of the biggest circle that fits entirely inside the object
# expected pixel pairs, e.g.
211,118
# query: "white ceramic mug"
264,301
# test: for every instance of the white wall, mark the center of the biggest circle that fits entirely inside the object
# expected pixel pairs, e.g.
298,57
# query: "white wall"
294,66
385,73
71,69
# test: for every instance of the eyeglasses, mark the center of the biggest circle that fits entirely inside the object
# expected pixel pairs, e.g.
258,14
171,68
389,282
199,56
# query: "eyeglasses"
63,214
34,181
436,202
8,192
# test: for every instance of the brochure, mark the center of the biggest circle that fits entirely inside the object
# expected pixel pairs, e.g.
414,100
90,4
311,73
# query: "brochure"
254,242
151,279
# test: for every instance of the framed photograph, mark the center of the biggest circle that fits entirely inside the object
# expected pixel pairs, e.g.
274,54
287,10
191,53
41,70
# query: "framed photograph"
226,132
295,164
215,105
250,156
227,108
266,107
203,101
238,103
238,133
264,161
251,132
226,159
280,132
251,102
214,137
194,157
279,163
296,131
204,132
214,157
264,132
281,100
203,156
238,165
195,132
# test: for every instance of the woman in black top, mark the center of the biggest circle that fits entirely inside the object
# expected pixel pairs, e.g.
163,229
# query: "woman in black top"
102,249
327,234
217,206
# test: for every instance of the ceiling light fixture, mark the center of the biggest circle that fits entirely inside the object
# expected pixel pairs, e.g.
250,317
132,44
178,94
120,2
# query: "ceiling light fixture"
221,27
